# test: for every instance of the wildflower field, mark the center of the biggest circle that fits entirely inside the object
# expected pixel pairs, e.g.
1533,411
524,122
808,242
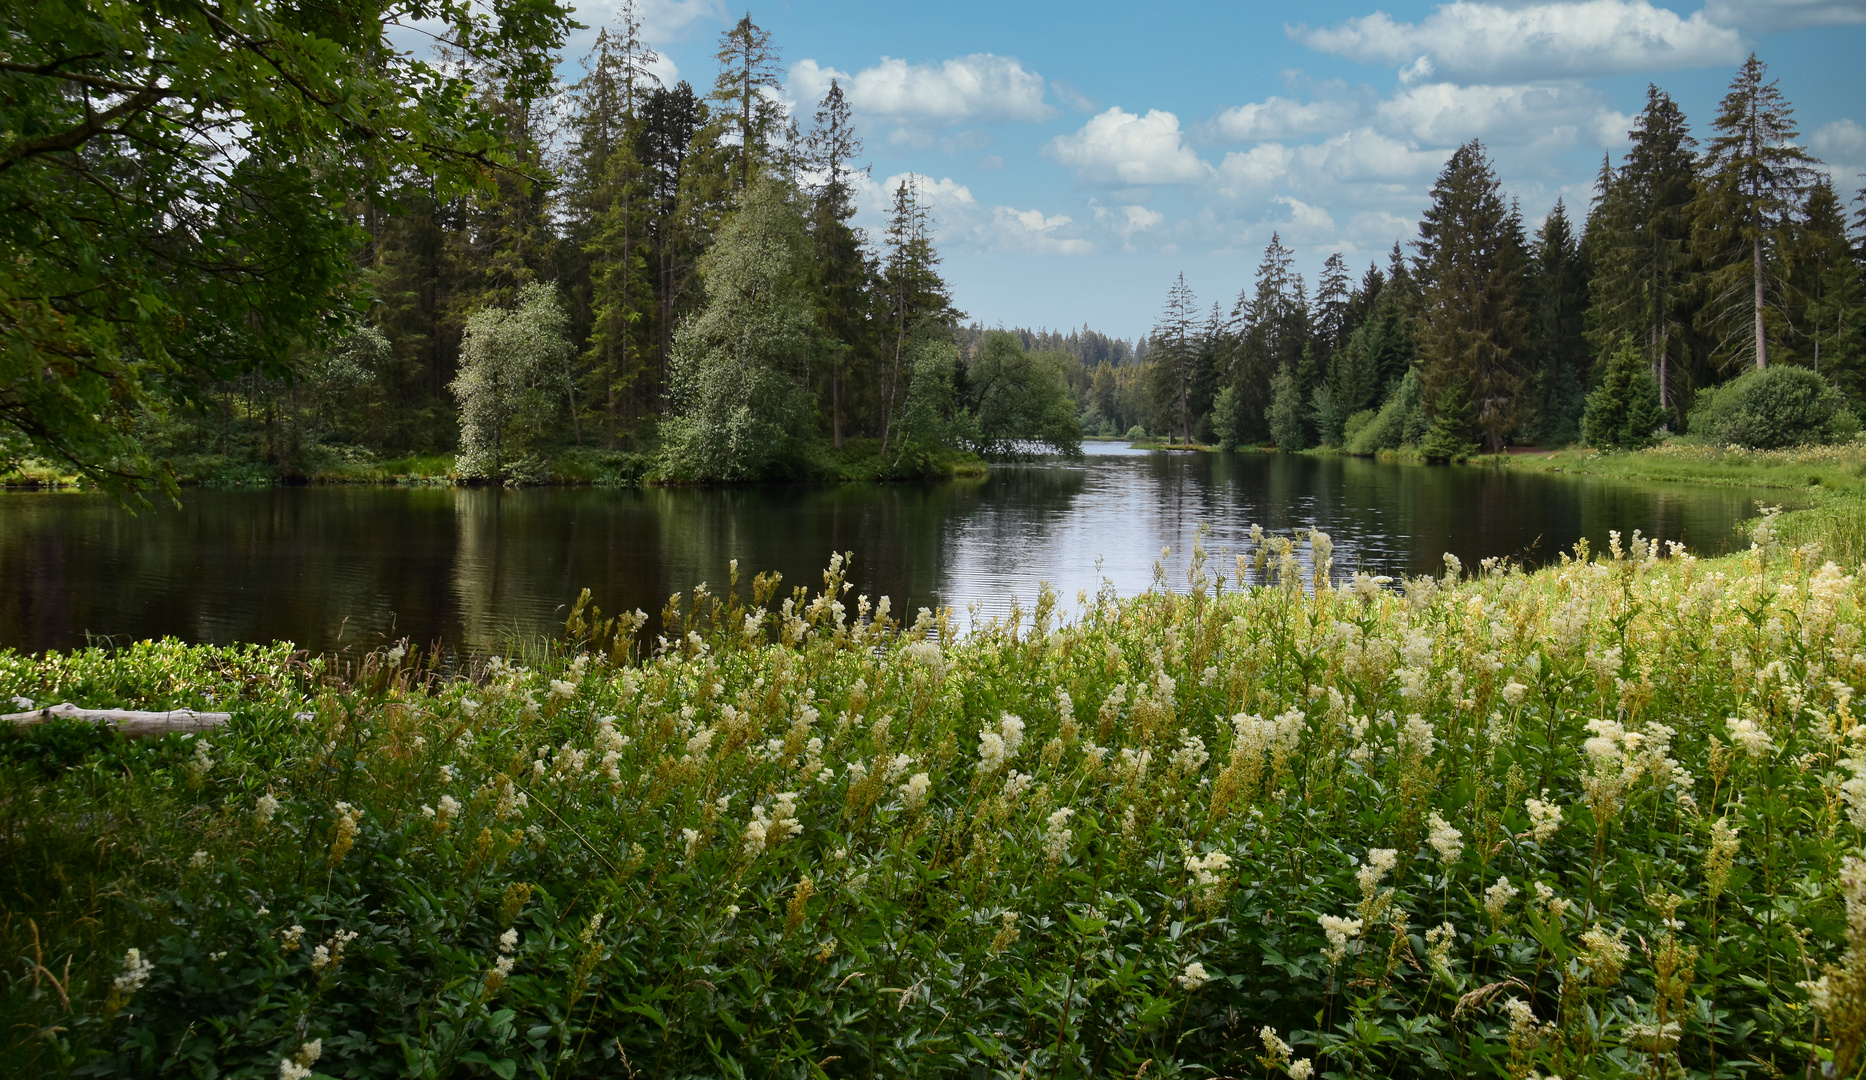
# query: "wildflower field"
1598,820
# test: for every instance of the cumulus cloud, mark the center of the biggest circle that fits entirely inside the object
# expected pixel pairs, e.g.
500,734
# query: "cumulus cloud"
1476,41
1445,114
1280,118
1842,145
1764,16
1010,229
981,88
1118,146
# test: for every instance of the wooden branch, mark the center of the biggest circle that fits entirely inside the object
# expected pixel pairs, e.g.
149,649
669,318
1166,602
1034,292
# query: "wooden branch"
134,724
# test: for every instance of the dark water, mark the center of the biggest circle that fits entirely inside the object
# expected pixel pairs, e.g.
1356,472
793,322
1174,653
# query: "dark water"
331,568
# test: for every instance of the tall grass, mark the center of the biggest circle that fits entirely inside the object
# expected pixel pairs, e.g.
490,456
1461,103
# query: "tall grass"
1597,820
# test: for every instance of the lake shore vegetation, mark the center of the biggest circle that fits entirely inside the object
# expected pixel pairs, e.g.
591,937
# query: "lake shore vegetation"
1600,819
681,234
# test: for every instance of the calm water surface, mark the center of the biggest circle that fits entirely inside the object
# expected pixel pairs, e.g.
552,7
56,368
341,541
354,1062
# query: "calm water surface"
331,568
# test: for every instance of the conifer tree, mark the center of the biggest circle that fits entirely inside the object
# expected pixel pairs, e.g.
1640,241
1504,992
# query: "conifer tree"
606,189
1176,356
842,268
1559,294
918,303
1754,179
673,120
749,76
1332,304
1828,295
1271,331
1474,315
1640,244
1623,410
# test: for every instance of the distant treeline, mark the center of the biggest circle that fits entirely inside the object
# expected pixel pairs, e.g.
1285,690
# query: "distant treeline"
673,284
1704,262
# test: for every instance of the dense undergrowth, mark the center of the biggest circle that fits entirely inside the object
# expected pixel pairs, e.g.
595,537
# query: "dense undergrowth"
1595,821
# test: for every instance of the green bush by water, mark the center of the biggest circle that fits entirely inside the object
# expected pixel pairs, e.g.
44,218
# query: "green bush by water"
1773,408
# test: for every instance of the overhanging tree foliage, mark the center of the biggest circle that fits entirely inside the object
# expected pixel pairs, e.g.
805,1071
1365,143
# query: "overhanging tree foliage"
177,181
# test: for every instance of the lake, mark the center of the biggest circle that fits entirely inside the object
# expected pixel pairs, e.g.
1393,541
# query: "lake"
476,569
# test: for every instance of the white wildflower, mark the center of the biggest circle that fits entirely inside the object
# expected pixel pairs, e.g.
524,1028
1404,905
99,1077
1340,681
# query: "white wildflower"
136,972
1193,976
1498,897
1447,841
264,808
1544,817
914,791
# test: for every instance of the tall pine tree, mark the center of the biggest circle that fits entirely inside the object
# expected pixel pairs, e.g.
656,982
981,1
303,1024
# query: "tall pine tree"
1474,312
1640,243
1754,180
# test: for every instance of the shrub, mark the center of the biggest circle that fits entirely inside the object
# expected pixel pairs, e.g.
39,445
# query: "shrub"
1772,408
1624,411
1401,420
1136,433
1352,427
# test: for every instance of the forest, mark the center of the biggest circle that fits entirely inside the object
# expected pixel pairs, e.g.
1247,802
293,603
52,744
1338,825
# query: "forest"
615,279
1694,272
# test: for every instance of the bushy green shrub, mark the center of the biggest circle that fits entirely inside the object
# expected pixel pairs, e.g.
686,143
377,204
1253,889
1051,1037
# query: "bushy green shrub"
1624,411
1401,420
1355,424
1136,433
1772,408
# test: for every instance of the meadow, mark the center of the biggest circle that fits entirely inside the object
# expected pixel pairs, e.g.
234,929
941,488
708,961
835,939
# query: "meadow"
1597,820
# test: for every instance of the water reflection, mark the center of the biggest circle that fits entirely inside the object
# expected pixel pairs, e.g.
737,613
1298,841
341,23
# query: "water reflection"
337,567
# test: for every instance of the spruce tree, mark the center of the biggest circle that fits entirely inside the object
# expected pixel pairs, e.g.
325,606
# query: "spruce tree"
1176,356
916,301
606,192
843,271
1828,294
679,223
1559,293
1639,241
748,68
1474,312
1623,411
1271,331
1754,180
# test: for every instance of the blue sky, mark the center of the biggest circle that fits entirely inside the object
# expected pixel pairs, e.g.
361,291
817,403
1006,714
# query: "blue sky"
1079,155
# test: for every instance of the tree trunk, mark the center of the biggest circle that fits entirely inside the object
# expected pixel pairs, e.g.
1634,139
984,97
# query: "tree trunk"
1762,340
130,722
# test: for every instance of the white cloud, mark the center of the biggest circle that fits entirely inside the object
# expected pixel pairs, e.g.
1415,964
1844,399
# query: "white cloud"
1307,220
1280,118
1769,15
1475,41
981,88
1121,147
1030,230
1842,145
1842,140
1445,114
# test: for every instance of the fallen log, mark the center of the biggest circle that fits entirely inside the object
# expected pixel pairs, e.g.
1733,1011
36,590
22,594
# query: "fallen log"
132,723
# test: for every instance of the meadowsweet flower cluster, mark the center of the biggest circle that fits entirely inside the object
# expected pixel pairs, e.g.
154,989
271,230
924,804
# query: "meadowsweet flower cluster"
1593,820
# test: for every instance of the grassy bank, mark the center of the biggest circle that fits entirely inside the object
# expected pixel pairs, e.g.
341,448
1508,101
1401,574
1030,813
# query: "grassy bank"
1592,821
1828,469
860,460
